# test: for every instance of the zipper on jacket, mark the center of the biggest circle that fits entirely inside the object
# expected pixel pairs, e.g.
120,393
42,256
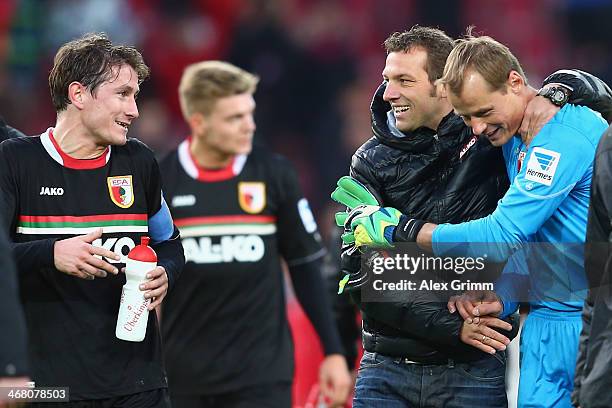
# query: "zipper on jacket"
436,143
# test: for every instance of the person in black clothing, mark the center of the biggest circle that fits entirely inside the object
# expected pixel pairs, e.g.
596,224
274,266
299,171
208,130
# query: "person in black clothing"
72,228
13,342
13,350
593,375
426,162
8,132
241,212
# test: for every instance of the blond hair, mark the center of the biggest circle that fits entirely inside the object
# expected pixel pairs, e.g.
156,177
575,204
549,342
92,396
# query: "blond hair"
203,83
490,58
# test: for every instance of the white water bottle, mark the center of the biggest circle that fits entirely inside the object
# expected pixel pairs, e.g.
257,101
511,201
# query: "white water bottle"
133,312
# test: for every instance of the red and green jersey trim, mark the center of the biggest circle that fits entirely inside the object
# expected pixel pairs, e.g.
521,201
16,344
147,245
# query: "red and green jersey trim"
64,224
226,225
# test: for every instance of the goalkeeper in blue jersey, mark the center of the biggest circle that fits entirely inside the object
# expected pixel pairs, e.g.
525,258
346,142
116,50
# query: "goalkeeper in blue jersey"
547,203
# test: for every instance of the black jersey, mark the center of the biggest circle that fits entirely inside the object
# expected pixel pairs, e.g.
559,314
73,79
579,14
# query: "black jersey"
71,321
224,325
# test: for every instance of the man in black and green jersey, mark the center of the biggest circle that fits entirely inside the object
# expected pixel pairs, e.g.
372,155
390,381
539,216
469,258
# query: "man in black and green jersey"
77,198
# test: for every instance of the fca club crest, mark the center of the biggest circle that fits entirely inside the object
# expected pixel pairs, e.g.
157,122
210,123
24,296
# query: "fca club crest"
252,196
121,190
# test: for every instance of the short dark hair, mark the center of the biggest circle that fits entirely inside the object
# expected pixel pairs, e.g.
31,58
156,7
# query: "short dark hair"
434,41
90,60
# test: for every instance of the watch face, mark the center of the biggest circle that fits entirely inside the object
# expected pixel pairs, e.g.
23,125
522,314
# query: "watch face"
558,96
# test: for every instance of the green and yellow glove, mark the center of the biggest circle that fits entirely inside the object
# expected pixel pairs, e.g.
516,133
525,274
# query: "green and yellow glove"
373,225
382,227
351,193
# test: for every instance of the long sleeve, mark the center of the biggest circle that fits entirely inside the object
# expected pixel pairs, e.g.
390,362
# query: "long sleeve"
512,287
583,345
598,248
344,310
164,234
171,256
28,256
13,350
418,314
534,194
587,90
310,290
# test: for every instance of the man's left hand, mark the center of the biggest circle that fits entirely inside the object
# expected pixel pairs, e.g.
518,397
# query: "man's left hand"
335,380
155,287
482,335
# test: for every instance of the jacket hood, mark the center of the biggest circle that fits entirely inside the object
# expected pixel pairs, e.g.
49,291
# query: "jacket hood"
416,141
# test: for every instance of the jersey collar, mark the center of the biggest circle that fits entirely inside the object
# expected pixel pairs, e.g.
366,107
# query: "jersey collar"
199,173
57,154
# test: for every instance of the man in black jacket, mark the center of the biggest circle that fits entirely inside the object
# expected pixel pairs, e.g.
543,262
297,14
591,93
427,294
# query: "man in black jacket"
424,161
7,132
13,351
593,380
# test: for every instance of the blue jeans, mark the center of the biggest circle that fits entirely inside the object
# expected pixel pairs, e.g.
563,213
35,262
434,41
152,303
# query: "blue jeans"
389,382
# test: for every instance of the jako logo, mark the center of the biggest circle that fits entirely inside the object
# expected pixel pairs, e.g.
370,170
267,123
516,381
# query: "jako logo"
51,191
239,248
468,146
120,246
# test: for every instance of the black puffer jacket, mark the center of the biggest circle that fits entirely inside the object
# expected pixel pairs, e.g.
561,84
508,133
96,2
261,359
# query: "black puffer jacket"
448,176
7,132
594,364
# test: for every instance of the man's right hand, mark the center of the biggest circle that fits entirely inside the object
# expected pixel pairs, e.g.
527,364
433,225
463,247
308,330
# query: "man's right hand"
76,256
473,304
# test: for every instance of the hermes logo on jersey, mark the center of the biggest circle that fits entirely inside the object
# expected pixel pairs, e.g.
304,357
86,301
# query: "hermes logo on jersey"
51,191
252,196
121,190
542,166
238,248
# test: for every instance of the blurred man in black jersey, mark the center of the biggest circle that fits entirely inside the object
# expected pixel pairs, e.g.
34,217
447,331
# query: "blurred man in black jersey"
240,210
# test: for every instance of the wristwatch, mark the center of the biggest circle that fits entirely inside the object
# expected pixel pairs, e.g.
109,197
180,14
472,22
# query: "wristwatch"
558,95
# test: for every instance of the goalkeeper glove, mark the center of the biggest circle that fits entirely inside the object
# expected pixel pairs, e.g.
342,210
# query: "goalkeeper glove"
350,263
351,193
382,227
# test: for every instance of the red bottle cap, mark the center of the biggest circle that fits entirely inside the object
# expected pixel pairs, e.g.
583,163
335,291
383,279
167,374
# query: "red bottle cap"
143,252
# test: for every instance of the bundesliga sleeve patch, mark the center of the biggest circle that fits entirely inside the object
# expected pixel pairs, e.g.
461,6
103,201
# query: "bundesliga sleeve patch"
542,166
306,215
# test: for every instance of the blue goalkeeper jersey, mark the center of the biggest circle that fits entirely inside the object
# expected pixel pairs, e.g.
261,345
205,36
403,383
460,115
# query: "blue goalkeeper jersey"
547,202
